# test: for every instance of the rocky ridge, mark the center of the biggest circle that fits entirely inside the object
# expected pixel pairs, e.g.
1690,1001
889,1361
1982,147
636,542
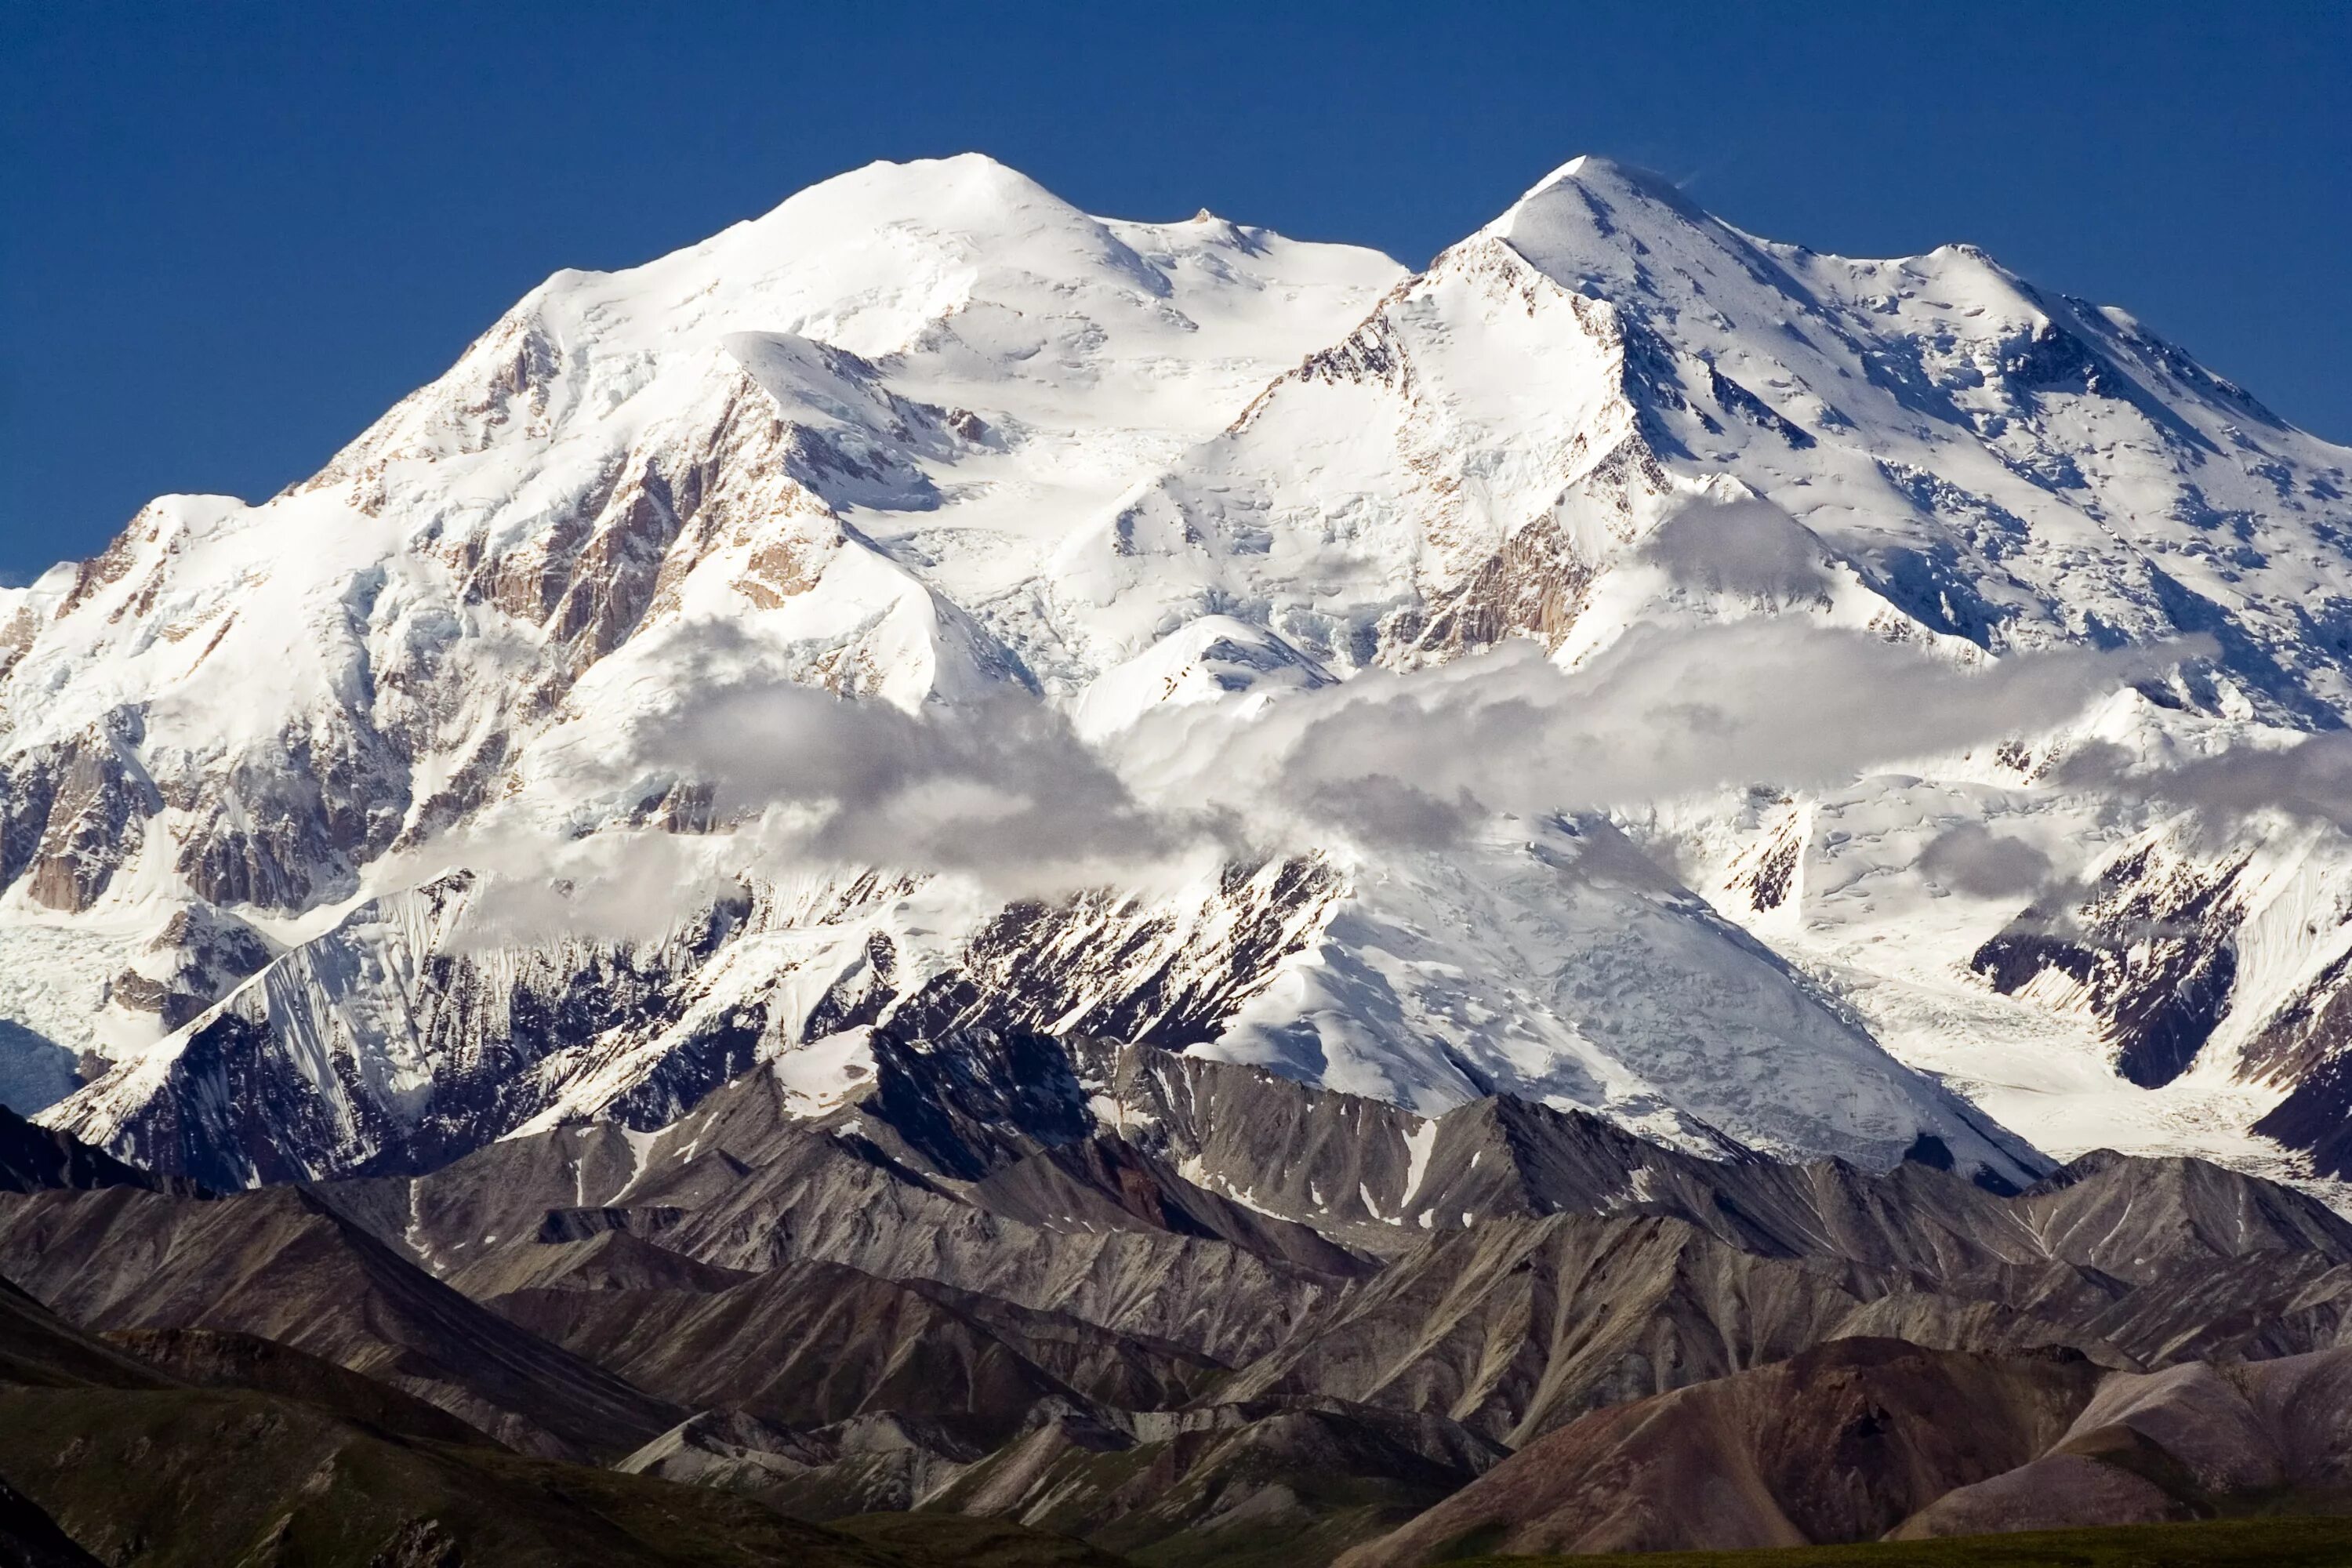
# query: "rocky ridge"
1141,1311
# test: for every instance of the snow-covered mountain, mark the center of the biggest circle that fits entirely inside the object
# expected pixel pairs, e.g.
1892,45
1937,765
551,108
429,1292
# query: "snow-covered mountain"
1762,697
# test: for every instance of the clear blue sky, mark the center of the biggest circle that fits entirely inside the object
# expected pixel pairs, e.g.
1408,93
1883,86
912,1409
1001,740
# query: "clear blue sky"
231,233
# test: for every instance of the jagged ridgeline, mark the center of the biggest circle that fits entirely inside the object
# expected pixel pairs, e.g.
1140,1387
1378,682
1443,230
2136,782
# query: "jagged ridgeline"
1153,1309
946,859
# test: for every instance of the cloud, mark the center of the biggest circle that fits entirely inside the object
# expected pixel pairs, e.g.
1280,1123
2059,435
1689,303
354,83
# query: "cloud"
1001,791
1750,548
1661,714
1972,858
1004,788
2310,780
624,886
1004,793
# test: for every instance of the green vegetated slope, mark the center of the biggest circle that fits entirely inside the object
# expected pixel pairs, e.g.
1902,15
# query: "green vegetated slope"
2300,1542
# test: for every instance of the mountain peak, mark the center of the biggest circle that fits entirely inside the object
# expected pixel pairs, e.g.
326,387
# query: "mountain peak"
926,432
1606,176
1587,166
965,183
964,168
1588,221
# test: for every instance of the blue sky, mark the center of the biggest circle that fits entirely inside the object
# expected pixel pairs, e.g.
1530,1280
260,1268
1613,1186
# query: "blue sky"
231,233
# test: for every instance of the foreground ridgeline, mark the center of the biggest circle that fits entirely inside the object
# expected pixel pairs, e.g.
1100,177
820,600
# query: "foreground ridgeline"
1146,1307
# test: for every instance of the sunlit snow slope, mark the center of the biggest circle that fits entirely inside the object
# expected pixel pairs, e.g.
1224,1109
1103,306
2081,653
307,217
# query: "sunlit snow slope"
927,438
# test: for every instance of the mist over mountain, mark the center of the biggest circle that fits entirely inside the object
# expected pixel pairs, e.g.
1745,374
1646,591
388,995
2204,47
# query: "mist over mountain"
939,835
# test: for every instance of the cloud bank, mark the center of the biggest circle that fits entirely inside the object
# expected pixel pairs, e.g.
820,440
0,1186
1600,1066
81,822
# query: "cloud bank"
1004,793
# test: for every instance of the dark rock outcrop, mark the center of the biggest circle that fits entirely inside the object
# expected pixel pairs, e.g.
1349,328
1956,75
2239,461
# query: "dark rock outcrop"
34,1159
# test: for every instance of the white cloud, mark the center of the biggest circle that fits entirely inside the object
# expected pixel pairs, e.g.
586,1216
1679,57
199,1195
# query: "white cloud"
1006,793
1663,713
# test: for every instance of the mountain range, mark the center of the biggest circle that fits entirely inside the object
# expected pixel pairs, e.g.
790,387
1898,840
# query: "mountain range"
941,854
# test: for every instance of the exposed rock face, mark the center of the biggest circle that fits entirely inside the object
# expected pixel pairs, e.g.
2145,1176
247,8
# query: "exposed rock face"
1513,1328
92,801
2316,1115
1258,1196
203,1447
200,954
873,1464
1536,1266
33,1158
1862,1437
2058,1491
1104,1181
1296,1480
2153,949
